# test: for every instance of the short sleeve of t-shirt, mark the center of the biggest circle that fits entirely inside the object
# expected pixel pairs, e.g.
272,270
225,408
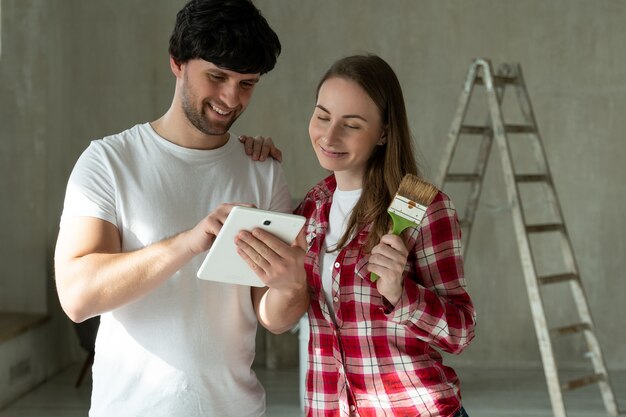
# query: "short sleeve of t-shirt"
90,190
281,198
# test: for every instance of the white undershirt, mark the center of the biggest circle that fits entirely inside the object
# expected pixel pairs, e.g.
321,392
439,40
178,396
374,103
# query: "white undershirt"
340,211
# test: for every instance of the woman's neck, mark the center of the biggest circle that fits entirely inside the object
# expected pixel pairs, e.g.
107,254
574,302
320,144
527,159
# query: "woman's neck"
347,181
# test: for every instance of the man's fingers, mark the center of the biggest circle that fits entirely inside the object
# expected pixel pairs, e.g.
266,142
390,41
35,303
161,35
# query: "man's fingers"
216,219
223,210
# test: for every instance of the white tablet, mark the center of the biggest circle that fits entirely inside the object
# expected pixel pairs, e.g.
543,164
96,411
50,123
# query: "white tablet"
224,264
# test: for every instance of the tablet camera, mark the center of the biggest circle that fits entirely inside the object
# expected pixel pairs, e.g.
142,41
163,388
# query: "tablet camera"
267,222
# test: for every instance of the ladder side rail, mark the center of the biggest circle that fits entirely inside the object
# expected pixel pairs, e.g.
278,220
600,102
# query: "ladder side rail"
569,257
542,159
536,302
580,298
593,345
475,189
539,151
455,128
528,114
595,351
480,168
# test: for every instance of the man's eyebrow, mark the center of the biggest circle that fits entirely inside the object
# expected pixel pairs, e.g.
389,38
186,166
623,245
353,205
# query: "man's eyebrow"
345,116
218,71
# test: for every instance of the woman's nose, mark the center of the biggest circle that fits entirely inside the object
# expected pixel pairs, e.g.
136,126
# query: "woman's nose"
330,135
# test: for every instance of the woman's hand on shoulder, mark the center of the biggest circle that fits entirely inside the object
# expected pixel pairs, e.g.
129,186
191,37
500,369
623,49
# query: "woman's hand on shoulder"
388,260
260,147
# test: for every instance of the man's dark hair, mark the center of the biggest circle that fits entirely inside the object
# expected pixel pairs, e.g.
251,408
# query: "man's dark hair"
231,34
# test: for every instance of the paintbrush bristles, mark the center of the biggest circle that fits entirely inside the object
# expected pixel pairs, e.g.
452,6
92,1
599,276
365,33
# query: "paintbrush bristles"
418,190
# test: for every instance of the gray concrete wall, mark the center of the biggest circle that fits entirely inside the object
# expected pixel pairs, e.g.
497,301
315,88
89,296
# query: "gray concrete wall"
75,70
575,68
33,152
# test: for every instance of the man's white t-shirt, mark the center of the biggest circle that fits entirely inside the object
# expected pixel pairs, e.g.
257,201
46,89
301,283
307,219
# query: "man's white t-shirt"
186,348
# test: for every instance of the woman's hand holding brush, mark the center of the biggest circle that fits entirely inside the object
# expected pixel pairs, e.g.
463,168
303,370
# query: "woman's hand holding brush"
387,261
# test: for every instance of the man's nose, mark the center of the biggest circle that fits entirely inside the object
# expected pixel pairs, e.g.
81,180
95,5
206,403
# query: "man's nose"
229,95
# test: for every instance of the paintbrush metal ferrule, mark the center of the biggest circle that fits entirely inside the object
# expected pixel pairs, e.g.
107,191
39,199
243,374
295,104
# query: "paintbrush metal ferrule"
407,209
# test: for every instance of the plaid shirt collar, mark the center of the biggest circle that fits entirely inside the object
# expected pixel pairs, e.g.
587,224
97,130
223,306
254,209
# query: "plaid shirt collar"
322,197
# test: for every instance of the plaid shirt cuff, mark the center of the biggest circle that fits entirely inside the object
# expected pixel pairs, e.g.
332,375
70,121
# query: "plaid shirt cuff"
402,312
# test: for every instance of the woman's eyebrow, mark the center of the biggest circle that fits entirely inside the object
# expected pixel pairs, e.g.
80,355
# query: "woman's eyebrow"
345,116
319,106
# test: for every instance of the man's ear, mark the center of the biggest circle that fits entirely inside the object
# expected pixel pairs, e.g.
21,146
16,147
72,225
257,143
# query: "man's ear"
177,68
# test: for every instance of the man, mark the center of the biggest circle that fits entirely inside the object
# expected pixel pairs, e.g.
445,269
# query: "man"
130,243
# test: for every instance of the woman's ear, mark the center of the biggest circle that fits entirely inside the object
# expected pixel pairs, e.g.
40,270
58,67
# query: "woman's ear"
383,138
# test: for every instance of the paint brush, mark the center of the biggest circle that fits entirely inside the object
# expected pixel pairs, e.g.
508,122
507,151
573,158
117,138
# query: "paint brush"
409,205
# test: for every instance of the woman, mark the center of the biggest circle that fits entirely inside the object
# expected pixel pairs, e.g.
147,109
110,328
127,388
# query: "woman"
373,345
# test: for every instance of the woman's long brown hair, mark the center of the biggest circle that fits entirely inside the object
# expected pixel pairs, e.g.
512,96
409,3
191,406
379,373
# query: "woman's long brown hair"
389,162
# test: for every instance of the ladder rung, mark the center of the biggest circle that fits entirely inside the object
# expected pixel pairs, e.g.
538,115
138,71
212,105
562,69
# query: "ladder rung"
581,382
463,177
549,227
482,130
552,279
475,130
572,328
520,129
531,178
497,79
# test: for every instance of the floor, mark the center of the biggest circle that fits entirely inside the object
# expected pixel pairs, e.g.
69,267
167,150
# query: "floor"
486,393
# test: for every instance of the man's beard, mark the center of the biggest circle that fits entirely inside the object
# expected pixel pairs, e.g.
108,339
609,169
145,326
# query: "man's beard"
199,119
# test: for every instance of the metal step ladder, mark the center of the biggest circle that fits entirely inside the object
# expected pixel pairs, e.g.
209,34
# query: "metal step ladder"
510,75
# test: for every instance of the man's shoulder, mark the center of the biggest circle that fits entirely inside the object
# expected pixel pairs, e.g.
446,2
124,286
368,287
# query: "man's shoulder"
128,136
120,143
